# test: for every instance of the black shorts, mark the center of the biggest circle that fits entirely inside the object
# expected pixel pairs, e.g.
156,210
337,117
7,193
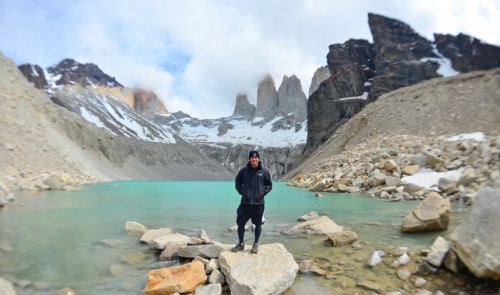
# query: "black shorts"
246,212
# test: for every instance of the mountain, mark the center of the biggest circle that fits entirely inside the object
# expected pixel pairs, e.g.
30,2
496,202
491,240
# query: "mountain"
360,71
95,136
139,114
276,126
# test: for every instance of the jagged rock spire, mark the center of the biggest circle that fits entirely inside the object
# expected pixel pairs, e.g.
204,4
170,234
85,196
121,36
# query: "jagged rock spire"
267,99
321,74
291,98
243,107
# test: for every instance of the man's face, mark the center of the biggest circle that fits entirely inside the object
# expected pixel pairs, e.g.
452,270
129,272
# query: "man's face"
254,161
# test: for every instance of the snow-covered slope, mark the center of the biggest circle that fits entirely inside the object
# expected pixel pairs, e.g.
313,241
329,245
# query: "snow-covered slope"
279,132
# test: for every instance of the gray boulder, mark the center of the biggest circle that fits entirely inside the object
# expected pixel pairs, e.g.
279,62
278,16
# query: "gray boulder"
272,271
476,240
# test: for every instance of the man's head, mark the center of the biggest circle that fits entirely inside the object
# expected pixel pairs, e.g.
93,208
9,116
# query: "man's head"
254,158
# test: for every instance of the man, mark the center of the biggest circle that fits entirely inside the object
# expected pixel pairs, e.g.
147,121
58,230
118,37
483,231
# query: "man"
253,182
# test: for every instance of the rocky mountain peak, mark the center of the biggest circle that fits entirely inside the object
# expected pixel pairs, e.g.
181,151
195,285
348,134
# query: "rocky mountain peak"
291,98
402,57
468,53
71,72
148,104
321,74
267,99
34,74
243,108
360,72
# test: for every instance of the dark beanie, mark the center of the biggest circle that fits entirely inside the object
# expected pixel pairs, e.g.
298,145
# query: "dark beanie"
253,153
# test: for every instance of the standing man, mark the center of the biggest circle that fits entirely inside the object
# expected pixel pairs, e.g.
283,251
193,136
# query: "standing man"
253,182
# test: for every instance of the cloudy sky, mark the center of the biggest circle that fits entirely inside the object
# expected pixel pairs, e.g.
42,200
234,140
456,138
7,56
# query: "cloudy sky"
199,54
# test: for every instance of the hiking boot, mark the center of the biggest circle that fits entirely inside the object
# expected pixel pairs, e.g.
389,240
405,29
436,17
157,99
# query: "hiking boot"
255,248
238,247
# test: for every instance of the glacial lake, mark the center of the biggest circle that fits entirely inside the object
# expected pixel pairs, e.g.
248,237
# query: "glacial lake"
54,239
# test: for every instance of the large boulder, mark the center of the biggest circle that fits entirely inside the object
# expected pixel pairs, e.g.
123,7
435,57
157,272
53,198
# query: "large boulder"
321,226
432,214
476,239
179,279
271,272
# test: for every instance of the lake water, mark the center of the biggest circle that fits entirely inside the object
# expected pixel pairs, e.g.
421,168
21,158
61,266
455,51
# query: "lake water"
55,238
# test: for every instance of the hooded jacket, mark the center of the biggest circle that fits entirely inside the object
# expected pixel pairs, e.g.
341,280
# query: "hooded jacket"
253,184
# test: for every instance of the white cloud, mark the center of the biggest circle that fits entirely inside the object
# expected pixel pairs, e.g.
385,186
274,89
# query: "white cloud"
198,54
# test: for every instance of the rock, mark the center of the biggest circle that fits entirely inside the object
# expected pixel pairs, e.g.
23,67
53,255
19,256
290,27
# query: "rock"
135,227
431,214
6,288
152,234
320,75
402,260
403,274
216,277
267,99
205,251
343,238
133,258
174,239
411,170
243,107
210,289
148,104
309,216
66,291
319,186
412,188
308,266
271,272
181,279
438,251
291,99
321,226
476,239
374,259
369,285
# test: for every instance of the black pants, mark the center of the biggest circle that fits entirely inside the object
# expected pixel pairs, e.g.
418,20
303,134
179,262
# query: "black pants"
245,213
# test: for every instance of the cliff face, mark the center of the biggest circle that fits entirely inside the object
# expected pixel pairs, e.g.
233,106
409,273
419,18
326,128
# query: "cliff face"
360,72
267,99
291,98
243,108
468,53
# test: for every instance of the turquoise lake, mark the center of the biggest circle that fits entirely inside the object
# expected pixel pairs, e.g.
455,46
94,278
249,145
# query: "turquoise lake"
55,237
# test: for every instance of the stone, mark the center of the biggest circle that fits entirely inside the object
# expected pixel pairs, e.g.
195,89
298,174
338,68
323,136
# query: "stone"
343,238
6,287
135,227
476,240
411,170
272,271
308,266
210,289
174,239
374,259
243,108
152,234
321,226
206,251
438,251
309,216
216,277
181,279
431,214
369,285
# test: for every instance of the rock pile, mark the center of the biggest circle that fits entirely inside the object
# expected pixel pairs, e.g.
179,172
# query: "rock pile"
381,168
208,267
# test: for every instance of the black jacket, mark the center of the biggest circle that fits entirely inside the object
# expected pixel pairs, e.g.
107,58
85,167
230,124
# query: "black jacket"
253,184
